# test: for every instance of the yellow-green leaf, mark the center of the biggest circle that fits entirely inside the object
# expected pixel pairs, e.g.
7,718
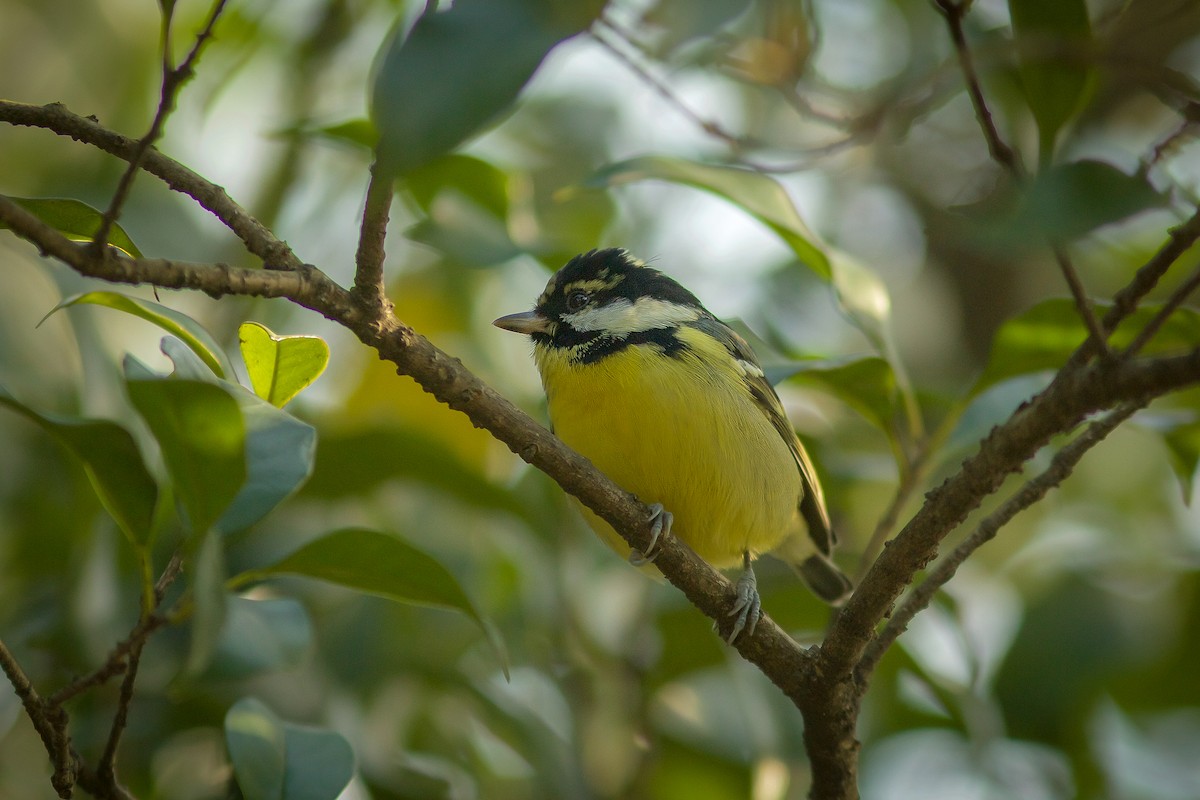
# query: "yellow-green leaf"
281,367
170,320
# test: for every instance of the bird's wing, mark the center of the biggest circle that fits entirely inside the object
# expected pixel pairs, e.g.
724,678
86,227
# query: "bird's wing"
812,503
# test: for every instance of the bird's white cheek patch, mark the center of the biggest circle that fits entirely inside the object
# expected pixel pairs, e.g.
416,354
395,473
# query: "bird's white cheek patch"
622,318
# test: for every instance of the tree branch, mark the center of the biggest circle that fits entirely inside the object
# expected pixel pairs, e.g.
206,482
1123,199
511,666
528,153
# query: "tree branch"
1063,463
369,286
172,82
274,253
1001,153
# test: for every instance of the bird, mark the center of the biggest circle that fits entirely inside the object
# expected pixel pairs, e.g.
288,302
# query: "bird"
673,405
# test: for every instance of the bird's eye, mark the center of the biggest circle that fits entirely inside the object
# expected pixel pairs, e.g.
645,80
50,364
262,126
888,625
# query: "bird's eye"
577,299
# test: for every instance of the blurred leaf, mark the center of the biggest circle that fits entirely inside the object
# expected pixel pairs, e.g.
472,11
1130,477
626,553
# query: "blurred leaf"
112,462
379,564
484,183
207,582
353,464
280,367
1052,43
359,132
1181,434
684,20
458,69
279,447
867,385
465,232
171,321
755,193
1068,200
258,636
75,220
1043,337
202,437
276,760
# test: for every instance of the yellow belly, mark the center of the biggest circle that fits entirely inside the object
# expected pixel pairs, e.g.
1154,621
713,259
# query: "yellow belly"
676,432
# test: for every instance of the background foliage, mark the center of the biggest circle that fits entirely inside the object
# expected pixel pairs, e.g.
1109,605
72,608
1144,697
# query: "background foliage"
1059,663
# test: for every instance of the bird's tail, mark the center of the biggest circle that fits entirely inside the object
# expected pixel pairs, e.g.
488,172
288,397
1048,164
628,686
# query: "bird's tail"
824,578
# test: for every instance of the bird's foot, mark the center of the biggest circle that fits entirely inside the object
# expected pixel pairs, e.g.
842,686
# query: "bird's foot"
748,607
660,525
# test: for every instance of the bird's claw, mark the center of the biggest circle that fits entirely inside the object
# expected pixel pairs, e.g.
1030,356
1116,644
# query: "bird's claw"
748,607
660,525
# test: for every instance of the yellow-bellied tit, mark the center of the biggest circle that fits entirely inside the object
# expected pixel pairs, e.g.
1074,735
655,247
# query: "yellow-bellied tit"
672,404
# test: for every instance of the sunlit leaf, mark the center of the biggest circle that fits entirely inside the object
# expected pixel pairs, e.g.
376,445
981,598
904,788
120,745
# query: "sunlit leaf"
1052,39
276,760
755,193
171,321
112,462
1043,337
75,220
202,437
279,447
461,67
281,367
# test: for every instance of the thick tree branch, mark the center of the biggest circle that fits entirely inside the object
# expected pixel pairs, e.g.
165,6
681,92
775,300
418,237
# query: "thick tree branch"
274,253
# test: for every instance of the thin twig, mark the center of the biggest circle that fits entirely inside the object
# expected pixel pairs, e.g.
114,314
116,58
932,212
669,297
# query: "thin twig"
1082,303
1001,153
172,81
1061,466
1173,303
710,127
49,722
1125,302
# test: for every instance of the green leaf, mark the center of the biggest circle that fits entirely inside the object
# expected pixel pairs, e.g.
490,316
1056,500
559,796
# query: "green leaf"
465,232
483,182
281,367
171,321
113,464
202,437
75,220
1043,337
356,463
276,760
1052,45
379,564
279,447
867,385
1069,200
207,582
259,636
460,68
1183,443
359,132
755,193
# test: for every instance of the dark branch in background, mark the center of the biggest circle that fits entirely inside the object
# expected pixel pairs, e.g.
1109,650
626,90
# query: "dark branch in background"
1082,303
600,32
172,81
1000,151
1061,466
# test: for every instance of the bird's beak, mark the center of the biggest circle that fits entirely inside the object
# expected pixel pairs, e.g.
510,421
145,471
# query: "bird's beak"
525,322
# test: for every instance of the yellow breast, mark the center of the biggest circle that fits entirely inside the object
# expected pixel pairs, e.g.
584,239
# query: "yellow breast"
682,431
